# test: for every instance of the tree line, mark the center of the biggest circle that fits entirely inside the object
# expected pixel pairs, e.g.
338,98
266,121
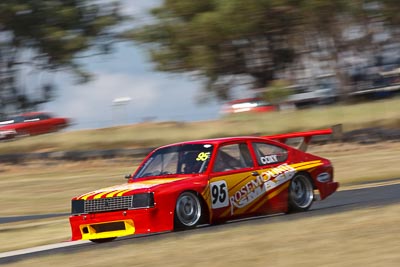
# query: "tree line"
224,43
40,37
230,42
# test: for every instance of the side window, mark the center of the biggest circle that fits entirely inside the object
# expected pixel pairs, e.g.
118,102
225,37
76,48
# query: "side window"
233,157
269,154
43,116
18,119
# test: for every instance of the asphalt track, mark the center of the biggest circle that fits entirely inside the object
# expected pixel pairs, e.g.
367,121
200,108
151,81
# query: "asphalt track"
349,198
12,219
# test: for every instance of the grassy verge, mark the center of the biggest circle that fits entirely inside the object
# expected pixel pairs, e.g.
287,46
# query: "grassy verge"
38,188
356,163
367,237
33,233
378,113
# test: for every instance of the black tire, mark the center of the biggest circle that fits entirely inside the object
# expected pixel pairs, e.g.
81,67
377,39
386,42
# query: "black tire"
188,211
22,134
102,240
301,193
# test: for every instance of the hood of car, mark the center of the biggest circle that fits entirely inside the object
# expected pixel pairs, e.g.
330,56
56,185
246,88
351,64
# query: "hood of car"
126,189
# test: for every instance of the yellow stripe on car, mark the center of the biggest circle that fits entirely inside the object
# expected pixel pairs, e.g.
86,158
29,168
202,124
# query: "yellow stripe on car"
160,181
122,192
85,197
100,195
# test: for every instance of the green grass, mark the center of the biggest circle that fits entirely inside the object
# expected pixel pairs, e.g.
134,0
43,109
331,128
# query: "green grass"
379,113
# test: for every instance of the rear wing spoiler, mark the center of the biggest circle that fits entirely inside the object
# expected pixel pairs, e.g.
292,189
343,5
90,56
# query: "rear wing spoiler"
299,140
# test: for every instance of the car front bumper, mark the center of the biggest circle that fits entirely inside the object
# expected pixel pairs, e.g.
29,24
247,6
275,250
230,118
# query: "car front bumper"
118,223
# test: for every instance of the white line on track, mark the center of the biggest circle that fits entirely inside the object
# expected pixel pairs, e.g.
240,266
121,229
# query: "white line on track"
41,248
369,185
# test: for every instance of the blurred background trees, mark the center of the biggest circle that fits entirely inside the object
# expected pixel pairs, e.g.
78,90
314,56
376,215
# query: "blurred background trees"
229,43
41,37
225,43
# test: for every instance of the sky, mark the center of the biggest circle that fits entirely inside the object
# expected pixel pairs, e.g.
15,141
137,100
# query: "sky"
127,73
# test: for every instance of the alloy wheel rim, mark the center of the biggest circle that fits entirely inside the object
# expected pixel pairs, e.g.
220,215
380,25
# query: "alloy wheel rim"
302,191
188,209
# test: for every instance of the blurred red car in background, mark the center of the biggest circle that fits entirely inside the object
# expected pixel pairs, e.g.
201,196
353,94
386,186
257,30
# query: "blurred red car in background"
247,105
32,123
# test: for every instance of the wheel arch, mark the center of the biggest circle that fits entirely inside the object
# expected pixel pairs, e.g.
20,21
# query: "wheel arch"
306,173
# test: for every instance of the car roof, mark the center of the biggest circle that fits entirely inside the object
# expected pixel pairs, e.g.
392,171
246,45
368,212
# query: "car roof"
33,113
245,100
216,141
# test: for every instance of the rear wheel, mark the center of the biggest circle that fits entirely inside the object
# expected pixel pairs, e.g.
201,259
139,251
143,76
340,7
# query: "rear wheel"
301,193
188,211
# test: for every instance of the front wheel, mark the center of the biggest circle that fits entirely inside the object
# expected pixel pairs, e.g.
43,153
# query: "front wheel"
103,240
188,211
22,133
301,193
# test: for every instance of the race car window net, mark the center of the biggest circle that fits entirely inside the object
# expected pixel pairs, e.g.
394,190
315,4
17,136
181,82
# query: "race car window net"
179,159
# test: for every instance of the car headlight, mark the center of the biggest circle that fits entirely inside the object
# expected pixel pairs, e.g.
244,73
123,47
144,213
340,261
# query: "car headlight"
78,206
144,200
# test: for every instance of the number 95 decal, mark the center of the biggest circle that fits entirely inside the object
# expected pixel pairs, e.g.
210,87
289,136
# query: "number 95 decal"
219,194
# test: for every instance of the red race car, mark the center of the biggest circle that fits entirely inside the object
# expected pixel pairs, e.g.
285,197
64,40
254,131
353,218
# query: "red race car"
31,123
247,105
182,185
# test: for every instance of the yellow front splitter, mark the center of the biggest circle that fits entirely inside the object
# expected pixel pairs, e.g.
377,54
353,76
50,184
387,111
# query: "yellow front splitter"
107,229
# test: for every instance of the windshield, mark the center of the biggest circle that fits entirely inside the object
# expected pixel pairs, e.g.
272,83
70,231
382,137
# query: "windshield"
12,120
180,159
